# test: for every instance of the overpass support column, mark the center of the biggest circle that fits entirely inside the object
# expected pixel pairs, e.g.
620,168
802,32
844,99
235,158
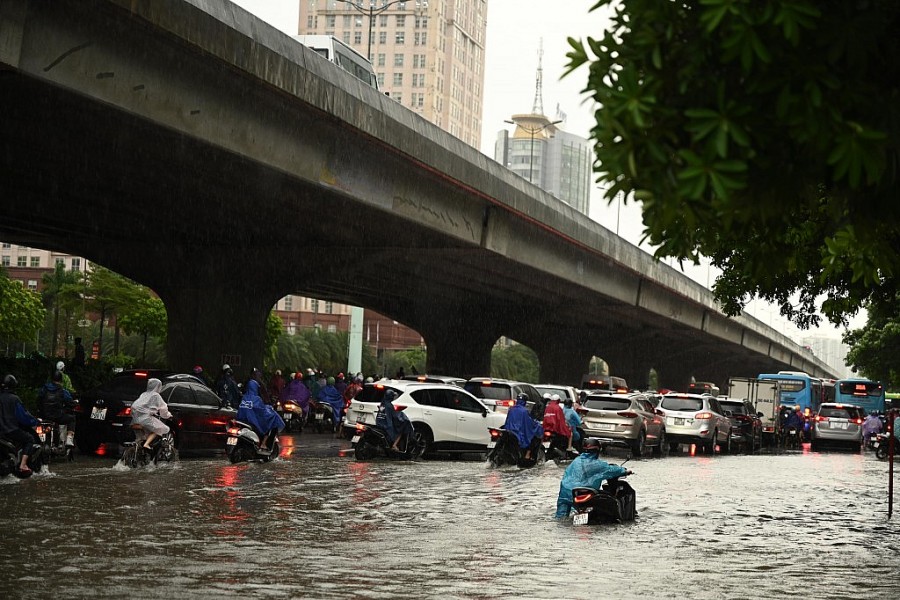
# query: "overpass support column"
214,323
459,341
563,359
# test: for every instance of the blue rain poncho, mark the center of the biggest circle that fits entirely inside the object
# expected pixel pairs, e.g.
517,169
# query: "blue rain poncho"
574,421
393,422
585,471
520,424
257,413
330,395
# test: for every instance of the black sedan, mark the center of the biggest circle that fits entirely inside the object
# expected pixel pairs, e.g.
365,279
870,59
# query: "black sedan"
104,413
746,426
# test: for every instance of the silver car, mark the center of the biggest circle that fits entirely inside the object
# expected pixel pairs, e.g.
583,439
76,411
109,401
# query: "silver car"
837,423
695,419
627,417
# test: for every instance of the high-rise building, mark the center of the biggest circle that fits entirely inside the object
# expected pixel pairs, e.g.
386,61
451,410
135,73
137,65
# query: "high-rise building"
555,161
428,54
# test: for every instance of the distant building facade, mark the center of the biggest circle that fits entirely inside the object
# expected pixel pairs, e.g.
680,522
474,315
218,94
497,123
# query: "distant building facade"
29,265
428,54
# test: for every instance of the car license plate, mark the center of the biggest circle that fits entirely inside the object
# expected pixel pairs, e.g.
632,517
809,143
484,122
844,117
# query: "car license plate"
354,439
231,441
98,413
580,519
679,421
492,445
319,416
605,426
287,416
839,426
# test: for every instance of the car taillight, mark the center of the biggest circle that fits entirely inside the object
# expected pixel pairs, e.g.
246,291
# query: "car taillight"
703,415
399,407
627,414
125,412
857,421
505,402
821,419
140,374
233,430
581,498
495,433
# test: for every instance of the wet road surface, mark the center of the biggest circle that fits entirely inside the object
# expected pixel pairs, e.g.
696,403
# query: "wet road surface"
316,523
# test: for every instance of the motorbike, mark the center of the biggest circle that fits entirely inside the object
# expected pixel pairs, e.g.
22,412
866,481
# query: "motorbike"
881,443
556,447
372,439
53,440
613,502
162,448
10,457
322,415
292,414
503,449
792,438
243,444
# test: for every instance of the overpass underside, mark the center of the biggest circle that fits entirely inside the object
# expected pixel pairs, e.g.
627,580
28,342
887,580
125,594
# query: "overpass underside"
224,188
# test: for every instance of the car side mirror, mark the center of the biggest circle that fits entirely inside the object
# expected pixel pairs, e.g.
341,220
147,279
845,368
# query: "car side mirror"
760,415
660,412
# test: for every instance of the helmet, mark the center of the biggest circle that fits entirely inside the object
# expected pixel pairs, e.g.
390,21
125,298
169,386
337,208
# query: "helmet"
369,380
591,444
568,402
340,376
226,367
546,395
10,382
60,366
278,371
522,397
555,397
330,381
197,369
389,395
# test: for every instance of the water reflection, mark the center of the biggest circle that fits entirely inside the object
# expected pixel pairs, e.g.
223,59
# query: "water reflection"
315,524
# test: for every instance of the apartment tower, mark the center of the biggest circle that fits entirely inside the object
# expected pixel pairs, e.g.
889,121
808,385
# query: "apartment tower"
428,54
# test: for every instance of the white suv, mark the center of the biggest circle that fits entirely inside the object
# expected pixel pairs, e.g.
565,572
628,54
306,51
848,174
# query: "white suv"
695,419
449,418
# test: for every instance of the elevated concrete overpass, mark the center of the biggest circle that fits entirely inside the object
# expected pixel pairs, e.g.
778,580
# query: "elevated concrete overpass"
201,152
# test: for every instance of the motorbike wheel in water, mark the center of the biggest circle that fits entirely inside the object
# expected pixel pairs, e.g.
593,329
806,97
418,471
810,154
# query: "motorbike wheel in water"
364,450
276,452
881,452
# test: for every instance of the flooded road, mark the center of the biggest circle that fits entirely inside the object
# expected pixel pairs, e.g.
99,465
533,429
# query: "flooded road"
318,524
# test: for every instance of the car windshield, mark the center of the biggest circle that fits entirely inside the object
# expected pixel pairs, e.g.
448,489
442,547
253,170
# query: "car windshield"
844,412
490,391
736,408
126,385
607,403
682,404
374,393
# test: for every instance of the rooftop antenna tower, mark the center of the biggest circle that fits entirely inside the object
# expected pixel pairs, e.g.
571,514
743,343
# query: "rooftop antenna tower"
538,108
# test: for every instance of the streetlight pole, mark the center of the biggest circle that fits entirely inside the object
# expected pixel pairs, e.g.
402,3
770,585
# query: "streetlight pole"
372,12
532,131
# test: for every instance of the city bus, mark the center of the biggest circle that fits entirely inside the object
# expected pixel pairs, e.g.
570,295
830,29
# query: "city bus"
796,388
865,393
336,51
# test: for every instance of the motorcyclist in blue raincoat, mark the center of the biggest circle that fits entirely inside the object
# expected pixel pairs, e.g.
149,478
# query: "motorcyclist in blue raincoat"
528,432
573,419
394,422
330,395
585,471
261,416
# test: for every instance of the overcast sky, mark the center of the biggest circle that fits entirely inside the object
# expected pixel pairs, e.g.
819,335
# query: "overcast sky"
515,30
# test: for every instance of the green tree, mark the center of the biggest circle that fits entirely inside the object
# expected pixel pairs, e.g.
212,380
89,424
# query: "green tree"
762,134
108,294
274,329
54,286
516,362
875,348
412,360
146,318
21,311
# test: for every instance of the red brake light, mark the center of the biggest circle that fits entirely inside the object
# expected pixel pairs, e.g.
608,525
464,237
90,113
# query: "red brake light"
627,414
495,433
858,421
583,497
233,430
421,378
547,434
125,412
505,402
399,407
78,408
360,427
379,386
621,390
140,373
703,415
820,418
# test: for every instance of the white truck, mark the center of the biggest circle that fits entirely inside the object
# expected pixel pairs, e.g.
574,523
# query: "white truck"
763,394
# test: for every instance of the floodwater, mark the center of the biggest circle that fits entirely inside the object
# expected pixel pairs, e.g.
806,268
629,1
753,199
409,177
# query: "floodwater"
316,523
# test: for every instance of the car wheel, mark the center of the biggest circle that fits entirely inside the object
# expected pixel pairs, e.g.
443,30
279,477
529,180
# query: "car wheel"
423,432
727,447
662,446
637,446
87,443
710,446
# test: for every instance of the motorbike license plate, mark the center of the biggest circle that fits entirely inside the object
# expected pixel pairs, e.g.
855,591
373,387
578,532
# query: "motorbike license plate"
580,519
286,416
231,441
354,439
319,416
42,436
98,413
876,444
492,444
546,445
792,432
